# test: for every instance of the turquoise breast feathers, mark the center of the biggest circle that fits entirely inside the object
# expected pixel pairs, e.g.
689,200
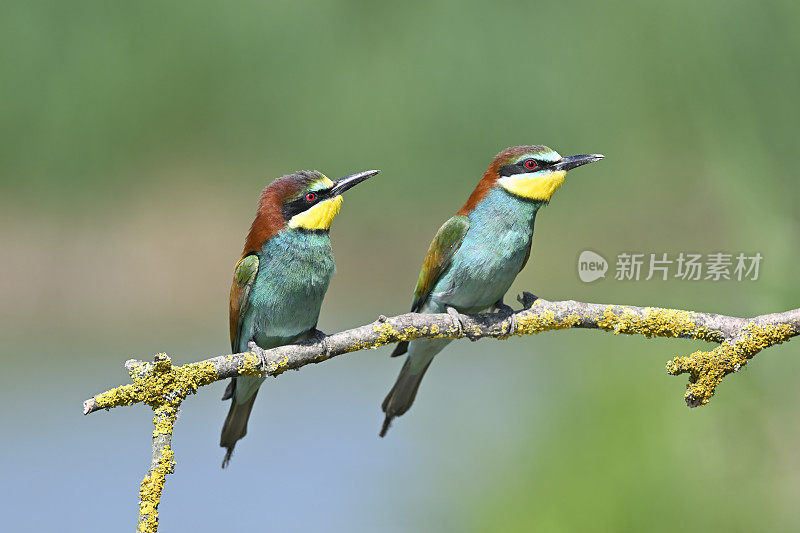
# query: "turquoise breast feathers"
294,272
491,255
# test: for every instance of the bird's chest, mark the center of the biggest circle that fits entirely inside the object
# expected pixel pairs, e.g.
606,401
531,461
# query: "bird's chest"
293,276
490,257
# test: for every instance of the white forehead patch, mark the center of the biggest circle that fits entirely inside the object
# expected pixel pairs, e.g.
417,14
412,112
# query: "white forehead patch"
323,183
550,156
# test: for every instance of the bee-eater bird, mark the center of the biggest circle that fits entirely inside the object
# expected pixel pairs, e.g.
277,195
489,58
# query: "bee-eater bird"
281,278
475,255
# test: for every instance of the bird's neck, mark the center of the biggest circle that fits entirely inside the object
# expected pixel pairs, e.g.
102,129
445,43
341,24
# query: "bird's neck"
501,208
268,222
296,243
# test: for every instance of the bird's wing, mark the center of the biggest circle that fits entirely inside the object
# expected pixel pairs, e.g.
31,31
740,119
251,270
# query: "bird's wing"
527,255
444,245
243,278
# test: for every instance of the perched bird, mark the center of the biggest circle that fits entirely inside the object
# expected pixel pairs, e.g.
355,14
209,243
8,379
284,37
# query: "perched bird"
476,254
281,279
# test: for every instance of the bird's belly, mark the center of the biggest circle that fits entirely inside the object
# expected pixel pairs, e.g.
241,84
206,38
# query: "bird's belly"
286,316
481,273
475,295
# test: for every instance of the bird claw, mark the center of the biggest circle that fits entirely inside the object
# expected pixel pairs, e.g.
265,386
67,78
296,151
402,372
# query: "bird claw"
503,309
507,311
458,323
527,299
317,336
512,324
456,318
256,349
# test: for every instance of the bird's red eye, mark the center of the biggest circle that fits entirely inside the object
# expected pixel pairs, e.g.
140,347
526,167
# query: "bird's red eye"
311,197
530,164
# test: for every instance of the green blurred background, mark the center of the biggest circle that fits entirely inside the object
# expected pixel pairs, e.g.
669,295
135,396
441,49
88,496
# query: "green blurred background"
136,137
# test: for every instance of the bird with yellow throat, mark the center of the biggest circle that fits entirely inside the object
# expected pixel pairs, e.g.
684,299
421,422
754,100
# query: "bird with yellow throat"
281,278
476,255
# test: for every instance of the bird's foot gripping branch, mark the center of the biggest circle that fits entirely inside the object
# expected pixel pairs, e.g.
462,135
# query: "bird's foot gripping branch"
163,386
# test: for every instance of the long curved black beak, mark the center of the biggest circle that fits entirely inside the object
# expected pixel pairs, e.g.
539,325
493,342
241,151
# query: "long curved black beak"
574,161
347,182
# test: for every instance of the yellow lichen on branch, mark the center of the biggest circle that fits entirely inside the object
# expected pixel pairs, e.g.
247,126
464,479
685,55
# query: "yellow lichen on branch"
164,419
151,488
159,382
164,387
250,365
706,369
656,322
532,323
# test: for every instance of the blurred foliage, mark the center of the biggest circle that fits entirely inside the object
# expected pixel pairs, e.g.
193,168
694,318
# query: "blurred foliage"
134,138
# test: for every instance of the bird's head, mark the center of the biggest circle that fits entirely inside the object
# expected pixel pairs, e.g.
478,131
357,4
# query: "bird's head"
310,201
535,172
532,172
303,201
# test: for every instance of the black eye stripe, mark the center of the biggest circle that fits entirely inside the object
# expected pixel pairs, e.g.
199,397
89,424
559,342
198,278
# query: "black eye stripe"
298,205
519,168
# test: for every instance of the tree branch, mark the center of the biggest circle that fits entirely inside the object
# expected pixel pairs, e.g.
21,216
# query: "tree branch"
163,386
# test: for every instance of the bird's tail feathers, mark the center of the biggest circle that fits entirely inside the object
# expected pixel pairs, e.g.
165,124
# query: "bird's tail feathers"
228,394
402,395
235,426
400,349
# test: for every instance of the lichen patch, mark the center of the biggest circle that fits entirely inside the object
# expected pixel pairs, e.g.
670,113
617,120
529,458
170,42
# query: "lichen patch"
707,369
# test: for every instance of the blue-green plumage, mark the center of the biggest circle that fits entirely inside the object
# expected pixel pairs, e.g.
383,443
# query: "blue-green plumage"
476,255
280,281
295,268
490,256
482,269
